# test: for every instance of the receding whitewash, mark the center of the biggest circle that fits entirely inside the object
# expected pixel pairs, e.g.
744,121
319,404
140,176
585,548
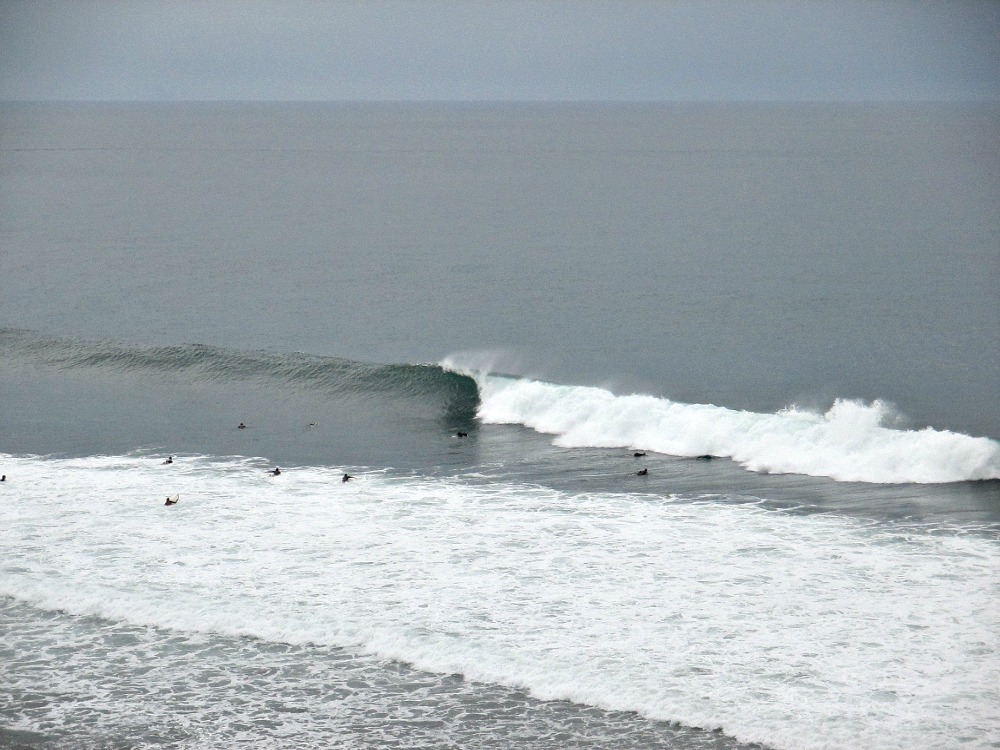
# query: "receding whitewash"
768,624
849,442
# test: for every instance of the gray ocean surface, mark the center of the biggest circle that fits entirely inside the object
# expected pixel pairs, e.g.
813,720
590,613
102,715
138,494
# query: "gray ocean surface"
563,285
747,255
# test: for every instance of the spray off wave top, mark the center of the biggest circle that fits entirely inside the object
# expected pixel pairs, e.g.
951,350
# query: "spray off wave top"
849,442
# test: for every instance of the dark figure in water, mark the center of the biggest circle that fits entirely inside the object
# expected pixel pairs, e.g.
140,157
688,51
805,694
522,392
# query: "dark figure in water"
169,460
706,457
276,472
241,426
346,477
642,472
639,454
172,502
3,478
461,434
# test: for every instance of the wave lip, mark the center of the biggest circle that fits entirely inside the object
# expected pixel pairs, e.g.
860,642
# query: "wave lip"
456,393
848,443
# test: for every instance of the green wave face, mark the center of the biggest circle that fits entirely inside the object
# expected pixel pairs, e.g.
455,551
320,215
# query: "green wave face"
456,394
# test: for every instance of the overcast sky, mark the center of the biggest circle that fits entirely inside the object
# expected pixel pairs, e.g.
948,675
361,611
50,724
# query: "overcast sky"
526,50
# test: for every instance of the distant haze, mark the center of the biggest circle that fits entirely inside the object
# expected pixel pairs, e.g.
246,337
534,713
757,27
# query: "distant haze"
527,50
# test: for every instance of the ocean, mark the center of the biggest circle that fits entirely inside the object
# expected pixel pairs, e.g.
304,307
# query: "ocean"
598,426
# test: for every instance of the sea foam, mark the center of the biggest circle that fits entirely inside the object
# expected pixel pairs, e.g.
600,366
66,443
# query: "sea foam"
803,631
849,442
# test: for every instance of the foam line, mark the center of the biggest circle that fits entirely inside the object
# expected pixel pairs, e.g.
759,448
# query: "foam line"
849,442
805,631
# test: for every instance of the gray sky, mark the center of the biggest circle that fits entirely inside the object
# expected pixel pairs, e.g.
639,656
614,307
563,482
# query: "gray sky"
526,50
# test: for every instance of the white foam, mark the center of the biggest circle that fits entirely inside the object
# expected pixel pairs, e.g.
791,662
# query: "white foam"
793,631
850,442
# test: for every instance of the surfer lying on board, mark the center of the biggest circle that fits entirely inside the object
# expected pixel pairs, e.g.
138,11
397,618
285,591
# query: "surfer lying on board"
172,500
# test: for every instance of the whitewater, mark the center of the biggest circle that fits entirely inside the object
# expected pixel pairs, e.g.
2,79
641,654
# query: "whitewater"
852,441
768,624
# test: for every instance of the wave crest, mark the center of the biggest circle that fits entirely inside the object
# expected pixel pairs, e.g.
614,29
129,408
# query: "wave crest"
849,442
457,393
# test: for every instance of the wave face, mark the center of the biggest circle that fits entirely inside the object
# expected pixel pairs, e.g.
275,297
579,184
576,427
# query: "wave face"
850,442
802,631
455,393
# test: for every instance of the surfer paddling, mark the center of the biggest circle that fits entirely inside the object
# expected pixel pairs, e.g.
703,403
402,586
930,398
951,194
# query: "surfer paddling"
347,477
275,472
172,500
642,473
170,460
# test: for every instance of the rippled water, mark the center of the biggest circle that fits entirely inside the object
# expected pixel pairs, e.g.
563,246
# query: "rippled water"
805,293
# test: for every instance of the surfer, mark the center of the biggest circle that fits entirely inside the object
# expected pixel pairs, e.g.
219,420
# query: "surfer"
241,426
639,454
169,460
642,472
276,472
3,478
172,502
461,434
706,457
346,477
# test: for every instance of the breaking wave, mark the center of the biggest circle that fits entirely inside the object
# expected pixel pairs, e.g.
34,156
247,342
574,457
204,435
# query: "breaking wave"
850,442
853,441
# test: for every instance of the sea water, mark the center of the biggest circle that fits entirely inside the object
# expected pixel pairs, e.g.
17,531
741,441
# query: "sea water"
482,313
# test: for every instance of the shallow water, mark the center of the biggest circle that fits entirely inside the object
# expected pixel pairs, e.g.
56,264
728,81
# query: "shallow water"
698,610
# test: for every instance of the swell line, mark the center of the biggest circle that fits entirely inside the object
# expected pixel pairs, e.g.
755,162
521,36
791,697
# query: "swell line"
457,392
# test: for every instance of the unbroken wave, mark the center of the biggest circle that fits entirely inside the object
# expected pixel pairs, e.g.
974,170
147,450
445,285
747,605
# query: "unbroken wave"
456,392
849,442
